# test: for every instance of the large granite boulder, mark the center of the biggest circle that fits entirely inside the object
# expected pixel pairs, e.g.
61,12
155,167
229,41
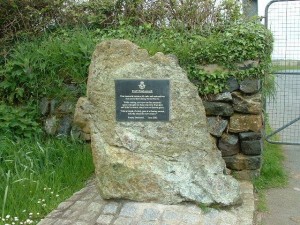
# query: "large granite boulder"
82,118
167,162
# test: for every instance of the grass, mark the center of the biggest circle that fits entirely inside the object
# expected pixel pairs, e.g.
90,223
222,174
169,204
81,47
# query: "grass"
38,174
47,66
272,175
278,68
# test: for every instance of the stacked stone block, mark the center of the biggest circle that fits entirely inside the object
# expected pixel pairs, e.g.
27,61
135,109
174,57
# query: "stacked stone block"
59,119
235,120
57,116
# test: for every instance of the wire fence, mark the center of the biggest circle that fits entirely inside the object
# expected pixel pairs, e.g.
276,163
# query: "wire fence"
283,109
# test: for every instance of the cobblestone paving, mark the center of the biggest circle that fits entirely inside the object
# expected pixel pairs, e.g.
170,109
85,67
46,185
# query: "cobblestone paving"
87,208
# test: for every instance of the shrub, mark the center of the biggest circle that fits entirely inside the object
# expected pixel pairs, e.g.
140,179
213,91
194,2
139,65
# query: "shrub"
238,43
18,121
46,66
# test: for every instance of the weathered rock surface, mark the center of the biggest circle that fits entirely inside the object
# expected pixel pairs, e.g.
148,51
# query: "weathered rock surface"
44,106
66,107
247,103
211,68
167,162
243,123
216,125
250,86
250,136
65,126
53,104
247,64
229,144
82,114
57,116
218,109
232,85
247,174
251,143
222,97
242,162
50,125
253,147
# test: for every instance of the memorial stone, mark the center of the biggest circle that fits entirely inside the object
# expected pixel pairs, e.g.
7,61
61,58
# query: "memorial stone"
148,128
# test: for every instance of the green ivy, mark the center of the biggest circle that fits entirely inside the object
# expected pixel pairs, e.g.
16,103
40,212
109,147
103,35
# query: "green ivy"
237,44
208,83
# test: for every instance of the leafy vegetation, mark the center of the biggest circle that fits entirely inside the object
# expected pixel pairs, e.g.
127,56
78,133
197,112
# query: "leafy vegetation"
46,66
37,174
18,121
272,173
33,17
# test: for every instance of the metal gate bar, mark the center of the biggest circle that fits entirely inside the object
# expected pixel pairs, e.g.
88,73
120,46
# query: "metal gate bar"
283,19
280,129
283,110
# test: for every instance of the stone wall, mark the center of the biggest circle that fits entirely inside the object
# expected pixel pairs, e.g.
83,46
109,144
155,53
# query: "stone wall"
234,118
57,116
235,121
60,119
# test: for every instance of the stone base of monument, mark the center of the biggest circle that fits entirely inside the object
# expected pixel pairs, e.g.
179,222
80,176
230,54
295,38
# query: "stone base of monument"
86,207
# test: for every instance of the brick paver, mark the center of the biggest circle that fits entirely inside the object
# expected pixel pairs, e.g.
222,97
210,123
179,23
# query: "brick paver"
86,207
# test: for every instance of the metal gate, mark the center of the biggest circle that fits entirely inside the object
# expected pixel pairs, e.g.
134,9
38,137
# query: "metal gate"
283,109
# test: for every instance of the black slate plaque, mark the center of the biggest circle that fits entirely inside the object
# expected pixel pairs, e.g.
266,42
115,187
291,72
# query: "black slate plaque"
142,100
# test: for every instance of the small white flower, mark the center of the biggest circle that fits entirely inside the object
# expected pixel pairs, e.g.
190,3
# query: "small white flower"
16,218
57,196
51,192
38,213
28,221
7,216
43,200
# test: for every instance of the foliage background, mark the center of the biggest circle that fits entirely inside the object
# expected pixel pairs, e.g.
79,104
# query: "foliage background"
47,45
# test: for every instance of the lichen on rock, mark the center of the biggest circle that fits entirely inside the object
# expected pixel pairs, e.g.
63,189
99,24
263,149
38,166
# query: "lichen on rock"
167,162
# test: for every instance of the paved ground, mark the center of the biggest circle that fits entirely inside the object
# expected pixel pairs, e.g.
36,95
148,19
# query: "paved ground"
284,204
87,208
